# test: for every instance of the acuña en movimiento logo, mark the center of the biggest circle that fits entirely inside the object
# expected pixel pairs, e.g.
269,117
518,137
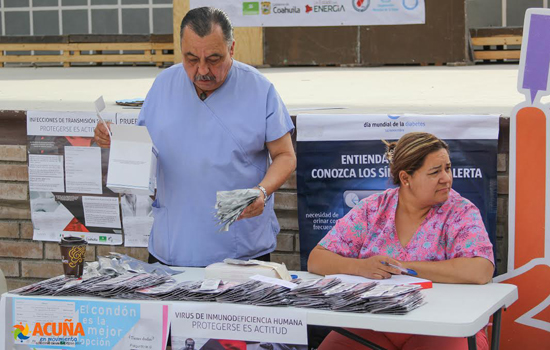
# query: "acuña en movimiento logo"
67,328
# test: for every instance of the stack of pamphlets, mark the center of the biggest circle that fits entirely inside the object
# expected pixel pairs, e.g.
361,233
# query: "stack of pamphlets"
231,204
256,293
322,293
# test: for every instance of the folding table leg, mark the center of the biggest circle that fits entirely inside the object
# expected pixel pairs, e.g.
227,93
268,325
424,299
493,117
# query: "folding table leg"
495,337
357,338
472,343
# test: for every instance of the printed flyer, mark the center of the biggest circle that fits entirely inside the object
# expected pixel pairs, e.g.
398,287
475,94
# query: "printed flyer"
36,323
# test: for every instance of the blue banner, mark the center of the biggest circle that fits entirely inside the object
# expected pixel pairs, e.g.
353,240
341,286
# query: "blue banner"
336,169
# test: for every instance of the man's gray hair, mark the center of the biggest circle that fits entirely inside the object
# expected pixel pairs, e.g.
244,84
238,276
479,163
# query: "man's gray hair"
201,20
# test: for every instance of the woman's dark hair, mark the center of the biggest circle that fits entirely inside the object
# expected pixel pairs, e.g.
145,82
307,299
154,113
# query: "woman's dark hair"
201,20
408,154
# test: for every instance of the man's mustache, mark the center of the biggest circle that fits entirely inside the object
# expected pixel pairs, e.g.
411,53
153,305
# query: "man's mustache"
200,77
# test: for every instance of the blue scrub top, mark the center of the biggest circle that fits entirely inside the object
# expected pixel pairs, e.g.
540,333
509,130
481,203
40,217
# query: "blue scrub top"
207,146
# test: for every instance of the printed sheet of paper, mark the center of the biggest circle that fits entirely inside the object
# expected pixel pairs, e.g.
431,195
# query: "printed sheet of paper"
83,169
137,230
101,211
46,173
137,219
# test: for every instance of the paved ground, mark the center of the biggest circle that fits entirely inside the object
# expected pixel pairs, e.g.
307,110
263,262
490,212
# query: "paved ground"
452,90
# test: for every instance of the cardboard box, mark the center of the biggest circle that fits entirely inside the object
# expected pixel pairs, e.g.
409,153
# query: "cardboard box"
132,160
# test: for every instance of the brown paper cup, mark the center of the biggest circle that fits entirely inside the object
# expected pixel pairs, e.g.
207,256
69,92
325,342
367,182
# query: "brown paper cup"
73,251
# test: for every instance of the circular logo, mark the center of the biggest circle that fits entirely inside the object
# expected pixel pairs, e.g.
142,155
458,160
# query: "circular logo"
360,5
20,332
410,4
351,199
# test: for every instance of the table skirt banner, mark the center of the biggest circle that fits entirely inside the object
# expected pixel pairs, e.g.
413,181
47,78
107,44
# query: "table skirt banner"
341,161
67,183
319,13
48,323
218,326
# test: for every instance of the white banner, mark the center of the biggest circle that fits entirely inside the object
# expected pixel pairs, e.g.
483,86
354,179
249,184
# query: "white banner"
319,13
202,323
350,127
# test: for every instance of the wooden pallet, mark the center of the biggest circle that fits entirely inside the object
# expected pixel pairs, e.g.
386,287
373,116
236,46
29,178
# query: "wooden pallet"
156,49
492,43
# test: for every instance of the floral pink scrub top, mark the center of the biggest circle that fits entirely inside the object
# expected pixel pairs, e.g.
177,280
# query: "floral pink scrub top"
452,229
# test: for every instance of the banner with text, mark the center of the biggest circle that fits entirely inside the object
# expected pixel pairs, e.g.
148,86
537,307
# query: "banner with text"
67,182
37,323
341,161
318,13
217,326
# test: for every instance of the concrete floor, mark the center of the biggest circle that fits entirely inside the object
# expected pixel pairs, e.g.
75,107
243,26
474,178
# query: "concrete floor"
481,89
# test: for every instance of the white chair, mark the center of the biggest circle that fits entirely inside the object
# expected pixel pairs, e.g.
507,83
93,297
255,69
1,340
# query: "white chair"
3,284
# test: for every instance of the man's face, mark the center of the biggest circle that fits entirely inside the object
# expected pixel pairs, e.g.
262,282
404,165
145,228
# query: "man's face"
206,60
189,344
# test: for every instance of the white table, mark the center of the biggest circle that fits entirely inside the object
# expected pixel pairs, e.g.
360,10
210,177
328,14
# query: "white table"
452,310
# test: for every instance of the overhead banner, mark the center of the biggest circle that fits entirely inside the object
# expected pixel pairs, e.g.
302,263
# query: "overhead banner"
226,326
319,13
341,161
67,177
38,323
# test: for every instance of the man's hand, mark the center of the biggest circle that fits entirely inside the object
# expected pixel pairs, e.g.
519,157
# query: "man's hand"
374,267
101,135
254,209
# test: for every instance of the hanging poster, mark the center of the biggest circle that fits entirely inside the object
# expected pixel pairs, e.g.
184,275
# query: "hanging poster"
67,177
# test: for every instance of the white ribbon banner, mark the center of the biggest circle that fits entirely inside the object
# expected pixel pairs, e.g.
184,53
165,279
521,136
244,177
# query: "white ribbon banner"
319,13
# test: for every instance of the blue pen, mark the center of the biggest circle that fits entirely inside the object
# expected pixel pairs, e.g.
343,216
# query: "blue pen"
409,272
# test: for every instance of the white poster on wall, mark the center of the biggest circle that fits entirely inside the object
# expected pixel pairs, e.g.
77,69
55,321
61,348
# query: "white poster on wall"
67,174
319,13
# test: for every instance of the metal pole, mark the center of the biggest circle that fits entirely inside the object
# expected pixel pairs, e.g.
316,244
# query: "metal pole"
358,339
472,343
495,337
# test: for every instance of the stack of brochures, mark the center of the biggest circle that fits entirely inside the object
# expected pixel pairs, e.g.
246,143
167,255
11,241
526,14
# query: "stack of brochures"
322,293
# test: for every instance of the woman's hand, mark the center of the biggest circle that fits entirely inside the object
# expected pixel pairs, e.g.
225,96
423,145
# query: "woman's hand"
324,262
376,267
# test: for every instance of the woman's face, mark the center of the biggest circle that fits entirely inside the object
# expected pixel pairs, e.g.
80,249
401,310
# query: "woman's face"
431,183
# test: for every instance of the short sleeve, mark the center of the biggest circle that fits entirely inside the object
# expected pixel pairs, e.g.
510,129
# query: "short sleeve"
277,118
348,235
466,234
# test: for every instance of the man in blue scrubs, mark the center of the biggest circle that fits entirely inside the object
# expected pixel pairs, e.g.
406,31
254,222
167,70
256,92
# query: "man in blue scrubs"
217,123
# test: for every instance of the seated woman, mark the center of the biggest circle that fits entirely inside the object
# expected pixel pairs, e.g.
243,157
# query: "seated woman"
422,224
